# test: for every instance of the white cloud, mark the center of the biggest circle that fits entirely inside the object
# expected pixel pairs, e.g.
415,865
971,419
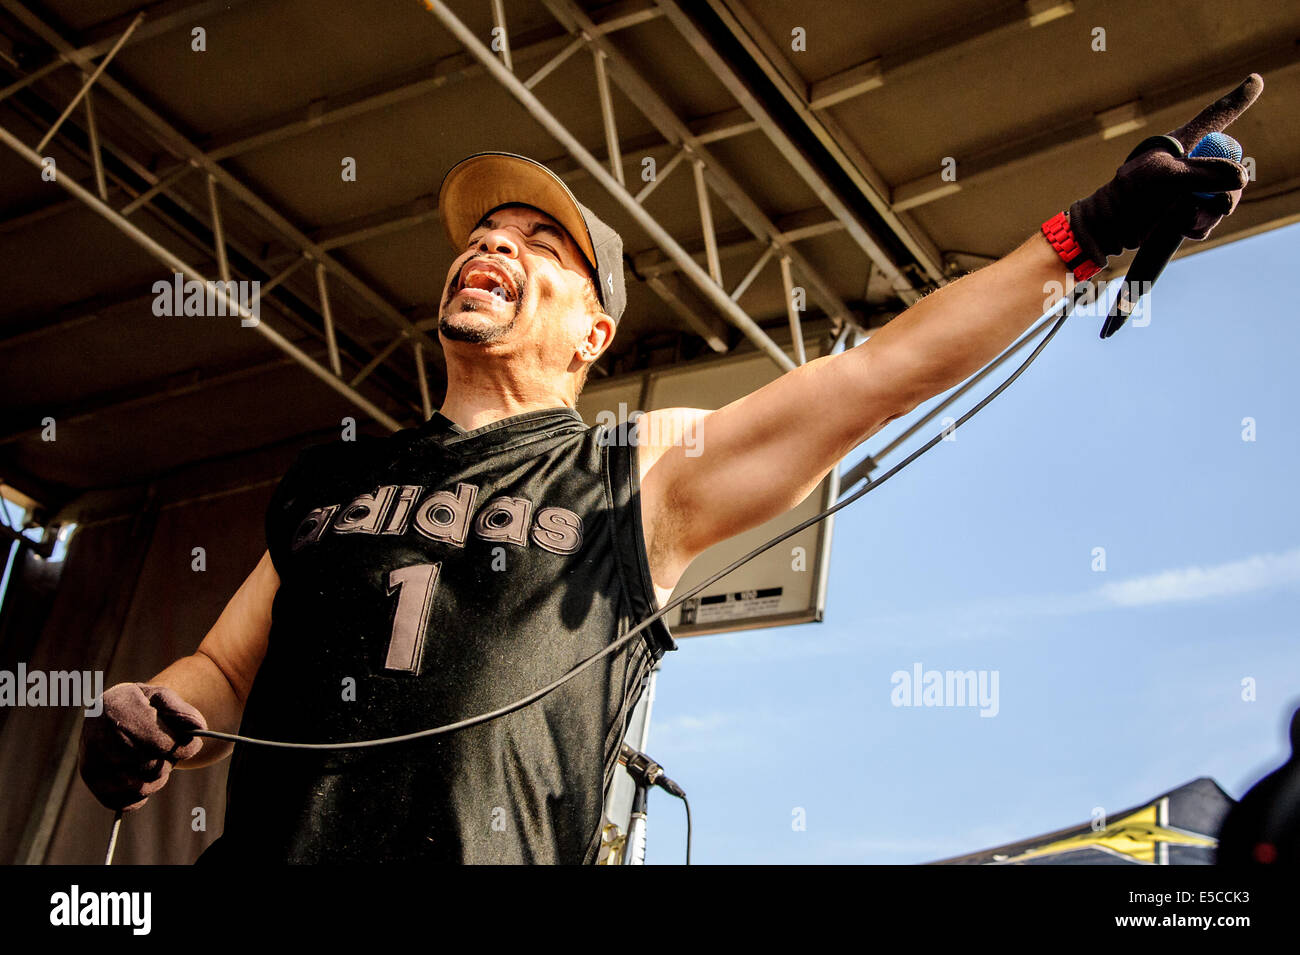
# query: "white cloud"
993,616
1260,572
687,723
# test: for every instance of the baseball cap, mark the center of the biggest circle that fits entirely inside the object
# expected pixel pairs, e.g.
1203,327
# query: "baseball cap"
483,182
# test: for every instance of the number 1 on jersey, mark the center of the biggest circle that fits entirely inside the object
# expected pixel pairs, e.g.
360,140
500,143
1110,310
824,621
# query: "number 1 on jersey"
415,586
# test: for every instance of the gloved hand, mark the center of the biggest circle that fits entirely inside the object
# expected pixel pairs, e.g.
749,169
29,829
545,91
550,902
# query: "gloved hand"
1155,185
127,752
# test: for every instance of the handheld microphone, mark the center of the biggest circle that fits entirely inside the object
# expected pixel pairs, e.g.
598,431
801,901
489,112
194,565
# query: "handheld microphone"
1163,242
646,772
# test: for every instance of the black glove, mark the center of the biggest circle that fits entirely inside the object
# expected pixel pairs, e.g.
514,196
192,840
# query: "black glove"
1156,186
127,752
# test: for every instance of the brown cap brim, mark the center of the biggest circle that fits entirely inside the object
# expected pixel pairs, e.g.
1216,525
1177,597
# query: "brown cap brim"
485,181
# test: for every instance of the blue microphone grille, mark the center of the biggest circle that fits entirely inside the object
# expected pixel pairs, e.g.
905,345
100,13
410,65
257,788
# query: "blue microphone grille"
1218,146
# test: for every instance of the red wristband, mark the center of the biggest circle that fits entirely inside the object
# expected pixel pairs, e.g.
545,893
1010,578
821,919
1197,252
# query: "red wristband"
1058,233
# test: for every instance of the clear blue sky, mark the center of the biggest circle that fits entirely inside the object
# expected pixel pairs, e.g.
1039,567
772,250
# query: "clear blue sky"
1114,686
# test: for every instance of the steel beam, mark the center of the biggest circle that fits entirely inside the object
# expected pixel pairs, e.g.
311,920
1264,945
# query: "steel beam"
376,361
991,25
706,222
218,231
499,31
660,175
163,255
607,117
740,243
90,81
165,182
838,144
414,212
752,274
712,331
101,186
792,313
424,382
726,188
554,63
789,151
331,343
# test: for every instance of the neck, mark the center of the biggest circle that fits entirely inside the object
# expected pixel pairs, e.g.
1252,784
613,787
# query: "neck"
479,395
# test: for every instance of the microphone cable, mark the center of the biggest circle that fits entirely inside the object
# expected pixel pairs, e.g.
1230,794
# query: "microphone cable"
1078,292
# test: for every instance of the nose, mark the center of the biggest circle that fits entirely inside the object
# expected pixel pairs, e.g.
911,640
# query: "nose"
498,241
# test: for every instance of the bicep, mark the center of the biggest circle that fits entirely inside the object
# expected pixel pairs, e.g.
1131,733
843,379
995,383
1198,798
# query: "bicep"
763,454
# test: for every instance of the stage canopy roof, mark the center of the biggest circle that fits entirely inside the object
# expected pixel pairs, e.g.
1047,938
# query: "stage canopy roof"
817,133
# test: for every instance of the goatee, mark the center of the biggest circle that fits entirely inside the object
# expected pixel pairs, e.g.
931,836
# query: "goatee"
476,334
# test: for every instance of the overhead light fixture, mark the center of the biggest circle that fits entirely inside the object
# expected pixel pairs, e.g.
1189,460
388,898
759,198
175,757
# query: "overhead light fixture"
1045,11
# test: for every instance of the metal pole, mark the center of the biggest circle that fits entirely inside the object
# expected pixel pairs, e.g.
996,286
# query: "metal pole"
796,331
607,117
164,183
266,287
549,66
377,360
657,233
634,847
753,273
661,175
163,255
706,222
499,18
101,186
218,233
331,343
30,78
85,88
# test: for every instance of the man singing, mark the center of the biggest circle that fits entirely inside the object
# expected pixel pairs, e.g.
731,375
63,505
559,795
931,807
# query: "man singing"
451,568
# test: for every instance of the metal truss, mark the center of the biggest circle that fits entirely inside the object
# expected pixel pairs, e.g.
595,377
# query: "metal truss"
811,100
680,145
190,157
709,177
681,141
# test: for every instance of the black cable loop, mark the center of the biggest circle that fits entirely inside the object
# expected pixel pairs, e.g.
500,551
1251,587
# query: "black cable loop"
1078,292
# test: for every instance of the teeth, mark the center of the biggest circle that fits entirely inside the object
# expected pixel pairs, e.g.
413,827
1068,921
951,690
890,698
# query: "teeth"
497,282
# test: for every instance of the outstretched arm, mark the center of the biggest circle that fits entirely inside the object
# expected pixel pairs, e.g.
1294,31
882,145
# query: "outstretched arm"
761,455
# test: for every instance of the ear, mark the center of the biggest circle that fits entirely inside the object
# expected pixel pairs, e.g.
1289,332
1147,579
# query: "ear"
598,337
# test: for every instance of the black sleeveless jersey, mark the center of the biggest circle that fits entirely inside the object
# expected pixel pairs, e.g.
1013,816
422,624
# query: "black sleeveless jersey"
424,578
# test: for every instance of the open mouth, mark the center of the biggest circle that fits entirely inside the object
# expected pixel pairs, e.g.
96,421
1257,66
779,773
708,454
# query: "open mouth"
482,275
